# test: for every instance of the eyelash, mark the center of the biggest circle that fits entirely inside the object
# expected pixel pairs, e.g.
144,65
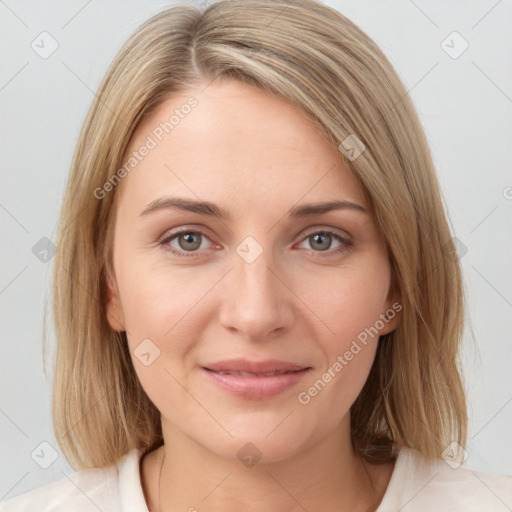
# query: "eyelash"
345,243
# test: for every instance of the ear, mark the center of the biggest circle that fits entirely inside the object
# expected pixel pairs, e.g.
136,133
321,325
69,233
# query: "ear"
115,315
391,317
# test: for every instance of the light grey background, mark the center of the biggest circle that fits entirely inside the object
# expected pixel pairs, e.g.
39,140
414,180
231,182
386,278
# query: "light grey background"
465,105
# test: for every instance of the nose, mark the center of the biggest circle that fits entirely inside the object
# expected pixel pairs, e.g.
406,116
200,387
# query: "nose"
256,301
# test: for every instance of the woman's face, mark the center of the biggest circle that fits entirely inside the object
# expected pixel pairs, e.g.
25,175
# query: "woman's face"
301,289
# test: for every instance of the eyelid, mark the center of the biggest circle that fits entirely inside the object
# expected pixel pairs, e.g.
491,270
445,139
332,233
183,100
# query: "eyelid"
204,231
169,235
320,229
343,237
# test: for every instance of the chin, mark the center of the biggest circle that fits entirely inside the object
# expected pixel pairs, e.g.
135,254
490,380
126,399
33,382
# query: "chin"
251,450
264,442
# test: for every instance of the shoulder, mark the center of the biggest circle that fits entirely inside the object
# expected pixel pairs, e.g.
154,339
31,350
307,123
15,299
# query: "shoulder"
84,491
422,486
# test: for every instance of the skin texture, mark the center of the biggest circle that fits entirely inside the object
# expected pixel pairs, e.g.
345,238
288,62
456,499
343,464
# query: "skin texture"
257,156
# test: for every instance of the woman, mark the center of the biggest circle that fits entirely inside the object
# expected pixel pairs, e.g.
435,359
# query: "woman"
256,298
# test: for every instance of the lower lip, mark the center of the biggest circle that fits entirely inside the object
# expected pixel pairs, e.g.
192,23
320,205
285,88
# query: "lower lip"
256,387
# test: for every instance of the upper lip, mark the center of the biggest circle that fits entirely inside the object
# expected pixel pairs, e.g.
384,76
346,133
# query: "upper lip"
246,366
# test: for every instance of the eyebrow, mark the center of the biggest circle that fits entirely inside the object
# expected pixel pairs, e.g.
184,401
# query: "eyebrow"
211,209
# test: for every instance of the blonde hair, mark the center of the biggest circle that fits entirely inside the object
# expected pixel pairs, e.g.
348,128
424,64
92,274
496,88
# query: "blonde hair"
313,56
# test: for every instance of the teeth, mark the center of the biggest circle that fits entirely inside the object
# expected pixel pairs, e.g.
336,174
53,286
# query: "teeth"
246,374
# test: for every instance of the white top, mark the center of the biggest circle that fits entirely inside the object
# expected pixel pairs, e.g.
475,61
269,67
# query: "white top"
415,485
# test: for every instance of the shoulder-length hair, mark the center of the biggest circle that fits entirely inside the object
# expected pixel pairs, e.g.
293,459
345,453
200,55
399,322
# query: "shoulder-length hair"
312,55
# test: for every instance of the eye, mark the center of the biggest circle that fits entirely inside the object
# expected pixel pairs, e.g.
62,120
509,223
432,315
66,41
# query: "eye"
321,242
187,240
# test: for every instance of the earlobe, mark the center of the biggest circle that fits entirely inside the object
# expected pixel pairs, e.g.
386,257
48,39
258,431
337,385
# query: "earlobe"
392,316
114,311
394,307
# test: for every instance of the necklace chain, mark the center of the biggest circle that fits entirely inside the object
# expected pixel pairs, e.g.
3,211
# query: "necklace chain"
159,482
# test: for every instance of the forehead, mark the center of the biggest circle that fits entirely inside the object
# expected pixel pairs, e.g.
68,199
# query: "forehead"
236,139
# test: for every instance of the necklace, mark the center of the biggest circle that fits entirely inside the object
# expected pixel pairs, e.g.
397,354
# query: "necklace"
159,481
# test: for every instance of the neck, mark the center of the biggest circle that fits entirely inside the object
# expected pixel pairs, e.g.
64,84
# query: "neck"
326,476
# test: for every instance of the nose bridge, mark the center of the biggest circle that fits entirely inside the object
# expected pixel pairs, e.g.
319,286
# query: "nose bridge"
256,302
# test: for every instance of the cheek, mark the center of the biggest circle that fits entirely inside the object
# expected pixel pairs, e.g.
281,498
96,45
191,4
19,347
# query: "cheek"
162,322
350,303
163,312
350,308
160,302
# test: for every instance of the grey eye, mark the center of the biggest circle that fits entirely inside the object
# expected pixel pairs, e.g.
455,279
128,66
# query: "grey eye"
321,241
189,241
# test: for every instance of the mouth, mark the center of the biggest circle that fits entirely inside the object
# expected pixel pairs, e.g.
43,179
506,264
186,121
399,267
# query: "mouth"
255,380
255,374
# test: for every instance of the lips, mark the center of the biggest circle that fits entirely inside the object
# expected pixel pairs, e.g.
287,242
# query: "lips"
243,366
254,374
255,380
